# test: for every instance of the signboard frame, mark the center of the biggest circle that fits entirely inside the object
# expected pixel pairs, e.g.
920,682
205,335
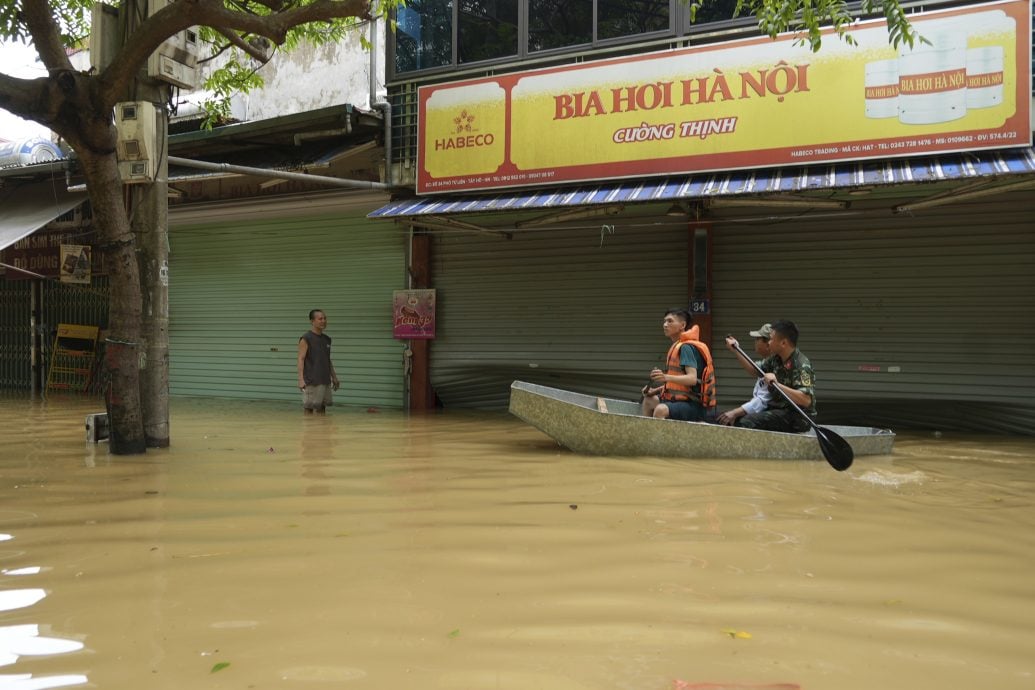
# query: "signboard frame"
629,117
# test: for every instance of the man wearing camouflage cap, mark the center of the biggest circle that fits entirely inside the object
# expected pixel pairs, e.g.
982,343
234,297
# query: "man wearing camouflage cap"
760,395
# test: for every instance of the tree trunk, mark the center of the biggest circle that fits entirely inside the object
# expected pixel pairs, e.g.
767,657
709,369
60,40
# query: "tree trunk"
122,345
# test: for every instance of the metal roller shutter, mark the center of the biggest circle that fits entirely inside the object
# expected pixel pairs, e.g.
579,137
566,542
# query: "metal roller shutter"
918,320
240,293
579,307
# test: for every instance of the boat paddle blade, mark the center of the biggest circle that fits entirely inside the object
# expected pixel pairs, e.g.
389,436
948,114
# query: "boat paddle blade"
835,449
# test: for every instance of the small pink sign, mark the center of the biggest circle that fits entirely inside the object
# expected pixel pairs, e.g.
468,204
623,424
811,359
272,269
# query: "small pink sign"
413,314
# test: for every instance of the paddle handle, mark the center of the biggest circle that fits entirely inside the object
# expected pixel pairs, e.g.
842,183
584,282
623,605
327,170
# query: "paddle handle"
761,374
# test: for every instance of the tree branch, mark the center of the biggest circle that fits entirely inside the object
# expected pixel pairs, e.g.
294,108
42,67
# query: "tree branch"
45,35
244,45
115,80
23,96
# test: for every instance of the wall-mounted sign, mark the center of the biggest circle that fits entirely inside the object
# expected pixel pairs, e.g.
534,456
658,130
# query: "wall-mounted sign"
75,263
744,104
700,306
413,314
40,254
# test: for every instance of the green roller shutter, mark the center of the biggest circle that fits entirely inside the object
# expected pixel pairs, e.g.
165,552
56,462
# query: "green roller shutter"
240,292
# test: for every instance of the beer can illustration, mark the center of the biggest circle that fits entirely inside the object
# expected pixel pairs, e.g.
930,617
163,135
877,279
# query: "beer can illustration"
881,89
984,77
932,79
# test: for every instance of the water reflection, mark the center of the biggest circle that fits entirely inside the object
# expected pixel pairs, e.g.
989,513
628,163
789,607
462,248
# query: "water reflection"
11,599
26,641
467,551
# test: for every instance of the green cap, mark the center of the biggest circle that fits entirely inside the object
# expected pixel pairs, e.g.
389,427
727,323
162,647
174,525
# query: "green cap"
764,332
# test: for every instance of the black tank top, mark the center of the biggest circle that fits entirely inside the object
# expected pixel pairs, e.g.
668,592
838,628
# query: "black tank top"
316,368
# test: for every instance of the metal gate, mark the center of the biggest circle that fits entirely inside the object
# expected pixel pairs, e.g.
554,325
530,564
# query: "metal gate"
59,303
15,334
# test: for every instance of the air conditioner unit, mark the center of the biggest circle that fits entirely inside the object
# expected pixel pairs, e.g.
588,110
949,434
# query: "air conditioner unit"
176,60
137,141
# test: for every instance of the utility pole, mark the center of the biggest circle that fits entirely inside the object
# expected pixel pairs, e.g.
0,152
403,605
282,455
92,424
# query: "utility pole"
149,213
148,208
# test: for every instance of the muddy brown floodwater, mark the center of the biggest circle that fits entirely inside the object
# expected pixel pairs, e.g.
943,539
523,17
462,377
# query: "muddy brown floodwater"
464,551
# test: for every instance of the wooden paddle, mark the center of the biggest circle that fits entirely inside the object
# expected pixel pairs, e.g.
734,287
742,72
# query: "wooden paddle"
835,449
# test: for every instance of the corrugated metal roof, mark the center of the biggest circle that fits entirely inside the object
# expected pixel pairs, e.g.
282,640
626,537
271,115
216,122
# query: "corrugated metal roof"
969,165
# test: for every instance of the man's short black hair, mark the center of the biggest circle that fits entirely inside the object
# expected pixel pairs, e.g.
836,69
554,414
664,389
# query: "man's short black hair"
788,330
314,312
682,313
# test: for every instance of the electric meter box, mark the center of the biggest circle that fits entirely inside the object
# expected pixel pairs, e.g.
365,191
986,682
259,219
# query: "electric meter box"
104,31
176,60
137,143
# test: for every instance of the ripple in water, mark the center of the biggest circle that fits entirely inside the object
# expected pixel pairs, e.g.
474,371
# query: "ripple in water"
886,478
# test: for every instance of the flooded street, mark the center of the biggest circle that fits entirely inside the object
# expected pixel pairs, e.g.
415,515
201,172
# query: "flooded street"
466,551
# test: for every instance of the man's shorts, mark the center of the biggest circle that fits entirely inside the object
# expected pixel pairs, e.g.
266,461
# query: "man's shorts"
317,397
684,411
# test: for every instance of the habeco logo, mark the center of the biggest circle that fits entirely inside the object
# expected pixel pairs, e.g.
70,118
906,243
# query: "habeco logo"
466,136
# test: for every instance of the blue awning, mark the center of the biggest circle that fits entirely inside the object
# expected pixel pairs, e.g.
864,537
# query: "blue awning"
960,166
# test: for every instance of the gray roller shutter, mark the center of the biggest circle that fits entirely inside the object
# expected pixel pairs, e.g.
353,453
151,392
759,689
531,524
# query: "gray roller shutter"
910,320
240,293
577,308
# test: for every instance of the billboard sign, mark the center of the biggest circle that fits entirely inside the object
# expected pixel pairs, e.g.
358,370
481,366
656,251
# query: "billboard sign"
737,105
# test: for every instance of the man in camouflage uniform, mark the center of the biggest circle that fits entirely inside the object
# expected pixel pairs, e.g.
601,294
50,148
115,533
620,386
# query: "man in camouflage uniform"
791,371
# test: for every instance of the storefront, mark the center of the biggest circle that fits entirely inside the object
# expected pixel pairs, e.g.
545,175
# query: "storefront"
244,276
49,274
569,206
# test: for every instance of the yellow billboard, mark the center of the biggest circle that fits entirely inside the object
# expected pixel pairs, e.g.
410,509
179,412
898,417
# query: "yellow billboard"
745,104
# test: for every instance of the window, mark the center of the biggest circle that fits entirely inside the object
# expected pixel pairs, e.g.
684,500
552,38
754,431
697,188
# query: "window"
556,24
424,35
718,11
487,30
435,34
619,18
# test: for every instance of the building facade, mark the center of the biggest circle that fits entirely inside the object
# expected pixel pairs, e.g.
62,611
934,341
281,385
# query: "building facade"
578,167
280,229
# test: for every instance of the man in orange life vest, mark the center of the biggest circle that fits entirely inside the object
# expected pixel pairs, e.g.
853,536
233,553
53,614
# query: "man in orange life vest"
685,389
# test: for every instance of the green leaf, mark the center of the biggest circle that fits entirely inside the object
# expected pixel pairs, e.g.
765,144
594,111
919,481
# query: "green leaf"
455,633
220,666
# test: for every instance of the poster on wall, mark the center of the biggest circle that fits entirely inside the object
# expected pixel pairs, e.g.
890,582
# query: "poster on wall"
738,105
413,314
75,263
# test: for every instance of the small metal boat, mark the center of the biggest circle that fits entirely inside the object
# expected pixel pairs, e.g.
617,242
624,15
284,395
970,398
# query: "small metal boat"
603,426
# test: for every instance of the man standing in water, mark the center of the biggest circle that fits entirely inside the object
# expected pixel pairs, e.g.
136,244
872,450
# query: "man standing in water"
316,375
685,390
790,371
760,395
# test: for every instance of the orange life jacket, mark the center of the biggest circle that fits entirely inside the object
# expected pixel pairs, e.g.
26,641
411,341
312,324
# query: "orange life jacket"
704,391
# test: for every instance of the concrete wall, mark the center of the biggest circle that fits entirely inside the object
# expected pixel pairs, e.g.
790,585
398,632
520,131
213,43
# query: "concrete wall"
307,78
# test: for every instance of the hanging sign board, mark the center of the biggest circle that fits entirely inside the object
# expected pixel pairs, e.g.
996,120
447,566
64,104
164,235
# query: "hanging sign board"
413,314
743,104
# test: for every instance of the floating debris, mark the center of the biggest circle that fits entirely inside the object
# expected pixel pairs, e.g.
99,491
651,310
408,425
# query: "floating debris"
737,634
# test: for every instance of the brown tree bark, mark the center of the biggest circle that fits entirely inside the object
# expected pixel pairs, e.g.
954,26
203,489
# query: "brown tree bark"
122,346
